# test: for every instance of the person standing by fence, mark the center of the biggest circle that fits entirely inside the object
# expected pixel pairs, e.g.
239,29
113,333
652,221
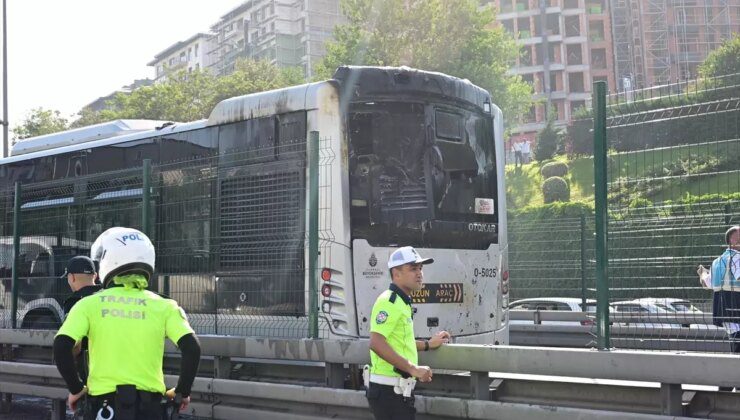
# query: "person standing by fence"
723,278
126,326
391,377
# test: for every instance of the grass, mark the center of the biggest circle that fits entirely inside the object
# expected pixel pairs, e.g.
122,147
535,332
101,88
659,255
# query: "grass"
523,185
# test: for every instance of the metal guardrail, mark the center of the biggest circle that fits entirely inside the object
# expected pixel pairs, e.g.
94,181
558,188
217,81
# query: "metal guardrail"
680,318
226,397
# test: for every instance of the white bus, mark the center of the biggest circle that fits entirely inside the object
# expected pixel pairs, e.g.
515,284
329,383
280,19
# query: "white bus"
417,159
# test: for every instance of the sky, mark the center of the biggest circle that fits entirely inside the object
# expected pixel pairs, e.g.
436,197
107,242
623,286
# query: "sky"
64,54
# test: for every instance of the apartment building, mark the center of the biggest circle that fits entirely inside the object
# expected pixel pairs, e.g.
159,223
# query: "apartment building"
658,42
288,33
190,54
566,46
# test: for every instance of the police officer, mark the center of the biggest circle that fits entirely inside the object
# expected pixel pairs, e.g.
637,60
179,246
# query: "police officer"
392,375
126,326
81,277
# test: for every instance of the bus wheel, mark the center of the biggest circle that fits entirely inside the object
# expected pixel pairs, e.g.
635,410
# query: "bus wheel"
43,322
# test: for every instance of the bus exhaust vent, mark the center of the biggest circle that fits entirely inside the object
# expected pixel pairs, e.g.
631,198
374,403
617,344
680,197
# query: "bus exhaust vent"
403,200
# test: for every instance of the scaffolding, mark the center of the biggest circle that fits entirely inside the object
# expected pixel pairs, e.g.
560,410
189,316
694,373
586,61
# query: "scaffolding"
700,27
657,42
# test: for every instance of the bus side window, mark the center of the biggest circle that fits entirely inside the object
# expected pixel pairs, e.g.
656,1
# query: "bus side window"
40,265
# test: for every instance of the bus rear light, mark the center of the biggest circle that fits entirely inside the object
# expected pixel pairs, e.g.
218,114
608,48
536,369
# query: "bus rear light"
506,275
326,307
326,290
588,322
326,274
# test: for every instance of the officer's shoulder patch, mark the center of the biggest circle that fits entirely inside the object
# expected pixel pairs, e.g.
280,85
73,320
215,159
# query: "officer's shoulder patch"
381,317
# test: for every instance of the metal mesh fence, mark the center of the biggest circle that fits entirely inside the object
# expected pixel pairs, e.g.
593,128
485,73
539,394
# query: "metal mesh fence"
673,189
230,233
551,258
673,175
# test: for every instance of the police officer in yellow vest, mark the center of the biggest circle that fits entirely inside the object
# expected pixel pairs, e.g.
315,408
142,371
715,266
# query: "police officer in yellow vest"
392,374
126,326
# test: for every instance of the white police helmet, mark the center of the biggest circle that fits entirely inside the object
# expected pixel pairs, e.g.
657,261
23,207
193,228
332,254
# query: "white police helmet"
122,250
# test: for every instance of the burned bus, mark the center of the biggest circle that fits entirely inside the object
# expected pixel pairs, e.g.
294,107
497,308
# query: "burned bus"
408,157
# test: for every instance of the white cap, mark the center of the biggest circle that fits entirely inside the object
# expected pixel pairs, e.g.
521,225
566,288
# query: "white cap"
406,255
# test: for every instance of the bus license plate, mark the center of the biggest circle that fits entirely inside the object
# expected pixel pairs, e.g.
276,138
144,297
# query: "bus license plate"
438,293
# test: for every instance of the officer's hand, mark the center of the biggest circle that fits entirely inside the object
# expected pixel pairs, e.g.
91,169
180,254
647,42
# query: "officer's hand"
77,348
72,399
422,373
170,394
442,337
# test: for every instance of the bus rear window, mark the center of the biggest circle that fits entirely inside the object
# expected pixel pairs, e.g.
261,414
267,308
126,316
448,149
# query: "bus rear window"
448,125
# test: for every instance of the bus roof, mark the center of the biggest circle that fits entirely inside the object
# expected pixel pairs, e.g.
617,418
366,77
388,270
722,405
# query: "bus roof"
255,105
83,135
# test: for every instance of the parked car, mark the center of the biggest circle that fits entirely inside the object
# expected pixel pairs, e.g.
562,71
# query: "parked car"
554,304
672,304
646,308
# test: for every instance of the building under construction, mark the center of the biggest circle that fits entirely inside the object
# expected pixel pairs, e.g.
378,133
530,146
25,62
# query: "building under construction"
663,41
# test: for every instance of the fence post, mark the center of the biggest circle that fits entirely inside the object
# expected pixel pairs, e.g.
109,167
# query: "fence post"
583,262
16,255
313,234
146,197
602,280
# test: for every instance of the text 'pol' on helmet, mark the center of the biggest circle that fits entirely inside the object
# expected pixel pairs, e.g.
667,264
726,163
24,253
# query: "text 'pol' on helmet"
123,251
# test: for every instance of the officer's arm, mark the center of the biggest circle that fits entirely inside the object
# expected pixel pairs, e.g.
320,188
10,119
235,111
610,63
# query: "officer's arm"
65,362
380,346
190,349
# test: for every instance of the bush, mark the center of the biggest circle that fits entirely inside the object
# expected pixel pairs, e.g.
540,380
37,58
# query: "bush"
580,138
554,169
555,189
547,142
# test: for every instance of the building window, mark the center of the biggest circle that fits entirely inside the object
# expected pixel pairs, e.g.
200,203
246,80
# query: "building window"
522,5
598,58
197,66
571,4
596,31
574,105
525,59
522,25
575,82
183,57
572,26
554,85
196,49
575,56
508,25
553,24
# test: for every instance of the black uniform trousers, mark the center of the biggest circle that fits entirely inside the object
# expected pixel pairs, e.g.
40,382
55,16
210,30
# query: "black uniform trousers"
146,406
387,405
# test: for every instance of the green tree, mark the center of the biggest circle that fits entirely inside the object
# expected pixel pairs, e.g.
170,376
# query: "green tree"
724,60
38,122
191,96
449,36
547,141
